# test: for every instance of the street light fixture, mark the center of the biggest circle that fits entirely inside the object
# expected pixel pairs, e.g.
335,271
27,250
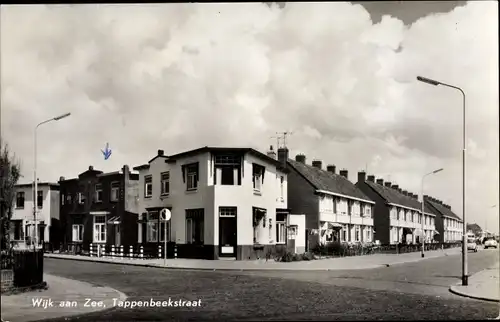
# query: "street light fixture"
423,201
465,276
35,181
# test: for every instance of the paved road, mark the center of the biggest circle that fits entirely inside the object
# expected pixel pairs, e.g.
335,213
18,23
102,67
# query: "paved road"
416,291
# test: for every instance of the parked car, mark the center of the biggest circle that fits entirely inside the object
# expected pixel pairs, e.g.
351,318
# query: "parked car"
490,242
472,245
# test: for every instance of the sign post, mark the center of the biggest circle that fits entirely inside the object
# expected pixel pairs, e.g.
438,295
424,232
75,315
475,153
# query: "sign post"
165,216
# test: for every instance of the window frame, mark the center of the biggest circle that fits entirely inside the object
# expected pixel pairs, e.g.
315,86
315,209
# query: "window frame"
20,196
39,199
195,226
165,183
79,235
98,193
100,232
192,174
114,190
148,186
281,232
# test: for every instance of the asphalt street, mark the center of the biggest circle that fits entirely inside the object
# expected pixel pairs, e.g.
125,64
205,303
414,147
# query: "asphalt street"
415,291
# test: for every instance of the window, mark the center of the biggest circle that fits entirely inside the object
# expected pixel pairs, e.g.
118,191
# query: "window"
357,233
153,223
39,199
282,180
281,228
165,183
257,177
77,233
259,222
349,207
227,169
344,233
162,230
68,198
227,211
115,191
191,176
81,198
334,205
148,186
98,192
368,231
63,197
368,211
100,229
195,226
20,199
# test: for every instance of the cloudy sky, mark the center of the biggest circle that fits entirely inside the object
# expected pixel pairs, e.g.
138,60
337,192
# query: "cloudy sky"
181,76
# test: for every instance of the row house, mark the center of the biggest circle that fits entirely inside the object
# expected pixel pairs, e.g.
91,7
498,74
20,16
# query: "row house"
99,208
448,224
47,217
398,213
335,209
224,202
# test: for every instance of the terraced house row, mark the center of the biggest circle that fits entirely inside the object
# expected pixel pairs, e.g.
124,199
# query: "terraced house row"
230,202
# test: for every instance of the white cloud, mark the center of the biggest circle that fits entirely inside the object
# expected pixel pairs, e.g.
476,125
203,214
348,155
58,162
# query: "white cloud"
179,76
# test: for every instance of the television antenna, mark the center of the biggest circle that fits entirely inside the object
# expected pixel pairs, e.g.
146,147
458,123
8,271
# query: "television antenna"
283,136
277,137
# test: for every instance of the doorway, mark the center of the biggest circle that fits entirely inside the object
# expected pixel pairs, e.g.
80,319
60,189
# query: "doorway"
227,232
117,235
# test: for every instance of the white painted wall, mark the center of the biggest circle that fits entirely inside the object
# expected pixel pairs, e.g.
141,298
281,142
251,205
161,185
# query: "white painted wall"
300,221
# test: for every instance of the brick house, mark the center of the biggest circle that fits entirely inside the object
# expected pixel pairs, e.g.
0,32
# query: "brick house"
397,214
335,209
448,224
99,208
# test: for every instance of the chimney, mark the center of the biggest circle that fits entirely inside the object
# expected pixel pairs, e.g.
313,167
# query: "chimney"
380,182
371,178
91,168
317,164
271,152
330,168
161,153
395,187
387,184
344,173
61,178
400,190
126,170
361,176
300,158
404,192
283,156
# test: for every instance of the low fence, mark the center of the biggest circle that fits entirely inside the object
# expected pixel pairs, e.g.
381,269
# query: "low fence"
146,251
26,265
344,249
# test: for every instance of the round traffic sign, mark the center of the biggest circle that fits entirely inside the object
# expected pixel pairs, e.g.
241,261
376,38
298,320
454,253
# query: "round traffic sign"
165,214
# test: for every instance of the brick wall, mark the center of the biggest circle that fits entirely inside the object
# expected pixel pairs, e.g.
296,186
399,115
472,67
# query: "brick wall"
7,279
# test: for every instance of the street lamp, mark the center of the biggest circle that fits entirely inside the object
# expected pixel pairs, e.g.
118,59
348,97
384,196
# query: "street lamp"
465,276
35,183
423,201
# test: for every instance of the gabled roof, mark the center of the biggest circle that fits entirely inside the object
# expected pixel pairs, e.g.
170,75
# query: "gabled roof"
393,196
327,181
442,209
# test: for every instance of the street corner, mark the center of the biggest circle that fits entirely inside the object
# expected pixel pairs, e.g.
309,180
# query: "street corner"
478,292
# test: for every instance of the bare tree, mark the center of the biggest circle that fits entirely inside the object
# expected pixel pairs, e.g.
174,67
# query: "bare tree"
10,172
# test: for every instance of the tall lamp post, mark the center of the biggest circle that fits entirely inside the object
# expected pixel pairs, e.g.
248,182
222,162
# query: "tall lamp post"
465,277
423,201
35,181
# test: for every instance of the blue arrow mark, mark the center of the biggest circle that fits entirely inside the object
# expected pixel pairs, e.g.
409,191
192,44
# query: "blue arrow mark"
106,152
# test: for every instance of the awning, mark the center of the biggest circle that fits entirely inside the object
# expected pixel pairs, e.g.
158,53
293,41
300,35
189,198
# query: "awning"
436,232
114,220
99,213
334,225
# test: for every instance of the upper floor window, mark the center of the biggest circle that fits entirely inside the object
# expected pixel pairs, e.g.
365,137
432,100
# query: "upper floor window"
165,183
148,186
227,169
69,199
81,198
63,199
115,191
257,177
20,199
282,181
368,210
190,173
39,199
98,192
334,205
349,207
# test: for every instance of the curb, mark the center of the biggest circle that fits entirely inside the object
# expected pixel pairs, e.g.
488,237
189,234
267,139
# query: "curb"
216,269
453,290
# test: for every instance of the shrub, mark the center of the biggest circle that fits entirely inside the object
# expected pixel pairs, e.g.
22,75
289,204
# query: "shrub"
291,257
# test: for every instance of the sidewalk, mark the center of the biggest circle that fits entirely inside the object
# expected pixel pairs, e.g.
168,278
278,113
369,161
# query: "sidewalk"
21,307
483,285
343,263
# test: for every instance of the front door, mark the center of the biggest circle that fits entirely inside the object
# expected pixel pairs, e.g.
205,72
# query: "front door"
227,236
117,235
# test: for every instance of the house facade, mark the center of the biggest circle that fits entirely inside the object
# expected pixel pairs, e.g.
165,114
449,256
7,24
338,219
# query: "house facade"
397,213
448,224
99,208
47,218
224,202
335,209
